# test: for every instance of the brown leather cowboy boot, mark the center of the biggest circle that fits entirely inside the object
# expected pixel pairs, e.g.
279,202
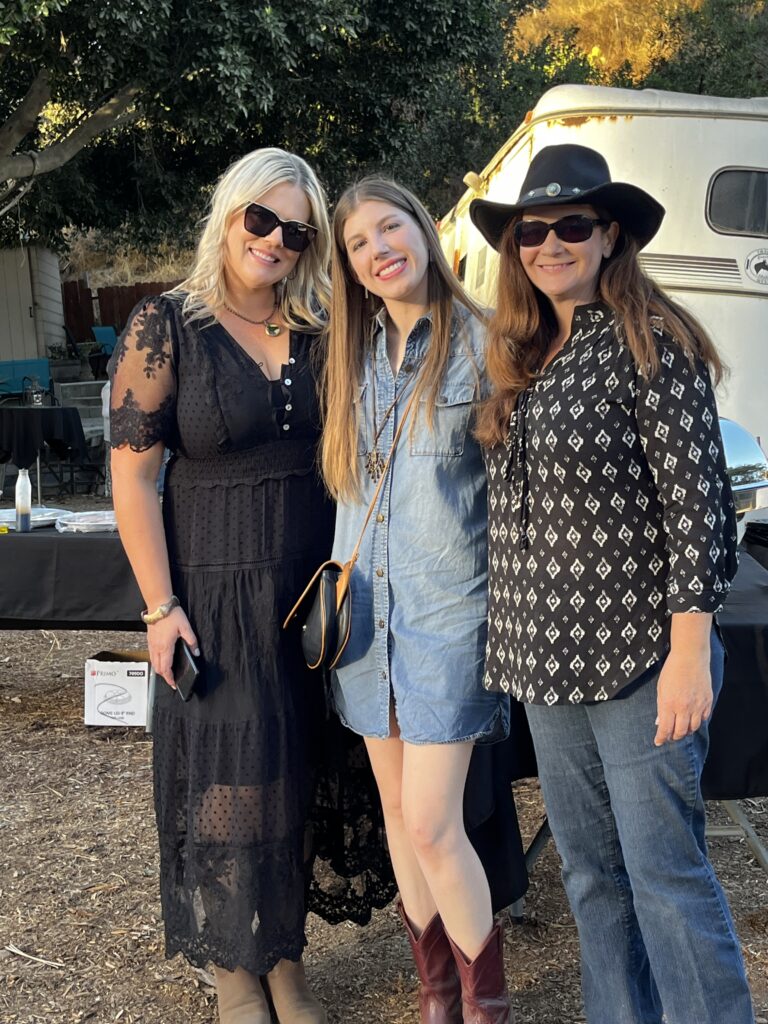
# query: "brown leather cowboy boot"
484,996
440,988
241,998
291,997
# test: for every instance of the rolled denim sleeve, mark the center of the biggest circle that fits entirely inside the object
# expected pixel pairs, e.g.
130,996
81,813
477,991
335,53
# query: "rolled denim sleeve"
680,435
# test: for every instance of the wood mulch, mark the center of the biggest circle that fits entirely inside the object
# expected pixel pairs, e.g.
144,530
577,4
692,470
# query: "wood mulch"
80,930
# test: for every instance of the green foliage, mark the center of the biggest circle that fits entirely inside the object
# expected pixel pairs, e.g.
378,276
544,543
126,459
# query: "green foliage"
15,15
423,91
350,84
721,50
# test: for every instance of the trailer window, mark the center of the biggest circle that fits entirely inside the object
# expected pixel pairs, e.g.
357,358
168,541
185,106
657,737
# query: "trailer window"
738,201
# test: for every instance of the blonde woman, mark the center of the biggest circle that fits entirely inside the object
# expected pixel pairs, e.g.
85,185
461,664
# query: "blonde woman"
410,680
220,371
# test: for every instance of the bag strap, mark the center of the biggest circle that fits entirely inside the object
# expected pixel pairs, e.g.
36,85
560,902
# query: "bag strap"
345,569
382,478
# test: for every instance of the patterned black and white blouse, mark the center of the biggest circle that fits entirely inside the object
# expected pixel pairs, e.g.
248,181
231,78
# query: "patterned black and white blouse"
609,509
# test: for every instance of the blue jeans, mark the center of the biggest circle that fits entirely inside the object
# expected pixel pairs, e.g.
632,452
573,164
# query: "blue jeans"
628,820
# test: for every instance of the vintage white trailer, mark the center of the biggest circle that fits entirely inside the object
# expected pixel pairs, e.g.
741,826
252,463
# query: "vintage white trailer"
703,157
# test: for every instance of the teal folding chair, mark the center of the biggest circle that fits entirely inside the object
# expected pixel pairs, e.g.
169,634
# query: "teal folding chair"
106,337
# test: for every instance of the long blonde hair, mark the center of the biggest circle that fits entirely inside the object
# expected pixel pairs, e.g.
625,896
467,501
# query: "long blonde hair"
350,332
303,300
524,326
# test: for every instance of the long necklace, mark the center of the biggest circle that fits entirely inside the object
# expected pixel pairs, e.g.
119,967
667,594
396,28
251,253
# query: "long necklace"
271,329
374,460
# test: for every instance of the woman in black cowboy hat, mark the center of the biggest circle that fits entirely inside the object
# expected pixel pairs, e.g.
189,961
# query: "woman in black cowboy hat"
612,535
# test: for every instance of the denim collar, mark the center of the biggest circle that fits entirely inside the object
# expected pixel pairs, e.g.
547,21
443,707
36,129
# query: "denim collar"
419,332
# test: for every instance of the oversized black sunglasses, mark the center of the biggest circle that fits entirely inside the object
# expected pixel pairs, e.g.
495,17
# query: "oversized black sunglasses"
260,220
576,227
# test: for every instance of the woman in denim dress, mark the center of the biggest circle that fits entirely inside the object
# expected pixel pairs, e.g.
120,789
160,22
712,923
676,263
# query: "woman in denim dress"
410,680
612,547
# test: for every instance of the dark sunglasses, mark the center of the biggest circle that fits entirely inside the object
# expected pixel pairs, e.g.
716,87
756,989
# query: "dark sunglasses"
574,228
260,220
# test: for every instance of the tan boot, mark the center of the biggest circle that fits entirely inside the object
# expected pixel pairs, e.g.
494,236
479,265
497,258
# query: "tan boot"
291,997
241,997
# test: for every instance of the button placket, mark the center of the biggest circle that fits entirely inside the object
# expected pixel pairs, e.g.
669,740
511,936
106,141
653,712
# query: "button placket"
410,356
381,609
288,407
385,388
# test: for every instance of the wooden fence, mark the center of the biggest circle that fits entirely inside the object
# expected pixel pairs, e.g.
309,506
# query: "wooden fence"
111,305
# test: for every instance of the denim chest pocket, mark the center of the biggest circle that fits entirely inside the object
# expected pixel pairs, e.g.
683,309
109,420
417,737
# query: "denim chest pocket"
362,427
450,422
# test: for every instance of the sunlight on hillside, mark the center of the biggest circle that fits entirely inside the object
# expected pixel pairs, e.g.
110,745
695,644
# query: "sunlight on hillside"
611,34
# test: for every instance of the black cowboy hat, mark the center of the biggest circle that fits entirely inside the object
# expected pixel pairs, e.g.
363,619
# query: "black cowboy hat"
572,174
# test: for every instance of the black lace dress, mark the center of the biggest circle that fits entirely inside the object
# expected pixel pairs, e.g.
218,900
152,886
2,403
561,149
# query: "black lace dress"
264,807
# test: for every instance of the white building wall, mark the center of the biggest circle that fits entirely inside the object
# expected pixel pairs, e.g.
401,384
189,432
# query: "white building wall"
47,299
18,337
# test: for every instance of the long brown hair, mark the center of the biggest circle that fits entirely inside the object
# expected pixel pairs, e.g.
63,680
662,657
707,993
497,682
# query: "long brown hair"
524,326
350,332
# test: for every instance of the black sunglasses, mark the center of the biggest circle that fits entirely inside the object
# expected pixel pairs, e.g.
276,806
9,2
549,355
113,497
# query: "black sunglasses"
576,227
260,220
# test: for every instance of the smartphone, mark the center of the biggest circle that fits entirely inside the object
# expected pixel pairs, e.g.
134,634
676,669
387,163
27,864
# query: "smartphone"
185,670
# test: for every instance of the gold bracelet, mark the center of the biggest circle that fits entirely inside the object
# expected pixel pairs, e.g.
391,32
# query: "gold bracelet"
161,612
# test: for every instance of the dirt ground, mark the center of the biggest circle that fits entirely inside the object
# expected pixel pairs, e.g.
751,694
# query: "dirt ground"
80,930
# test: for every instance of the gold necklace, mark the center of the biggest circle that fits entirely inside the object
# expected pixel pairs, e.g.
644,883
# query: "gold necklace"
272,330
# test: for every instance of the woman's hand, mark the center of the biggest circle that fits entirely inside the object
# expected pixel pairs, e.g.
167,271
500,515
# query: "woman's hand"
162,637
684,697
139,518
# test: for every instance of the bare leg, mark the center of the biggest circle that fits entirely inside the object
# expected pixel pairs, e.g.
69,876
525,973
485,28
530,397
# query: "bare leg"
432,811
387,762
443,886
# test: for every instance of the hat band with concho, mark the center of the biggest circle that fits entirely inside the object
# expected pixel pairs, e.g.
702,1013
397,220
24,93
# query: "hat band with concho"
554,188
637,212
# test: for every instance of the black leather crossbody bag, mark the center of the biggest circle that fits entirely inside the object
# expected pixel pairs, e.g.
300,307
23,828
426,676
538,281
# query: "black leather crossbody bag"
328,626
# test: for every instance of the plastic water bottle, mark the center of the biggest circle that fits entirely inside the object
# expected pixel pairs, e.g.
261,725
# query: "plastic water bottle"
23,502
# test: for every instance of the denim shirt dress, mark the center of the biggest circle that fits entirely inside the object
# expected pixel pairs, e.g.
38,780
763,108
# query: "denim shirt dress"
419,588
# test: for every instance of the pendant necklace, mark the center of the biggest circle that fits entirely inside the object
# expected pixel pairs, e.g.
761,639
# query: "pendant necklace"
374,460
271,329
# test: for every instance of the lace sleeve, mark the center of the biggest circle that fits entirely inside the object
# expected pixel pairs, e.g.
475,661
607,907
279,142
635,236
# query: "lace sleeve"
143,397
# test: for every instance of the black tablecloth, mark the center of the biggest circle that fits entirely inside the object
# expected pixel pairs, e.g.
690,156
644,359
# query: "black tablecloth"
54,580
83,581
24,430
737,765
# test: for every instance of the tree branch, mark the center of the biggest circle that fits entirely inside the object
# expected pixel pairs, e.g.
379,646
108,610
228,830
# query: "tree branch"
20,192
24,117
55,156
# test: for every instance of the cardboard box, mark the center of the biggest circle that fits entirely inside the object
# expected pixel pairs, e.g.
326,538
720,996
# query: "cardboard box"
116,688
